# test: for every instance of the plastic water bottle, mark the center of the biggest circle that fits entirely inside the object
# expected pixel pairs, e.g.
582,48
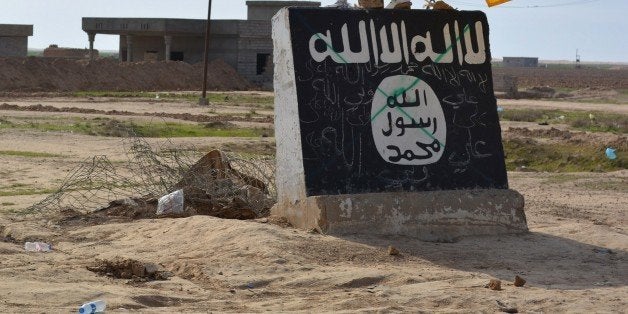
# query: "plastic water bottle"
610,153
97,306
37,247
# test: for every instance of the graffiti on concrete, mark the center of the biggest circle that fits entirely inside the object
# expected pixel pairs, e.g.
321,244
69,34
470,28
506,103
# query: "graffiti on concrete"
395,101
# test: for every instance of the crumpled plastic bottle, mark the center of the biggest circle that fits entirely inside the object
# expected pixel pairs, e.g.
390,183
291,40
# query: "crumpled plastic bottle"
37,247
610,153
97,306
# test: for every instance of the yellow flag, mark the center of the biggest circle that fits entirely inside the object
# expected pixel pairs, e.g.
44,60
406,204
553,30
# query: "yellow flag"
495,2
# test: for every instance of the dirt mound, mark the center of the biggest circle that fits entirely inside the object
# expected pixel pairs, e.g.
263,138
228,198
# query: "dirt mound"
63,75
600,140
545,133
594,92
128,269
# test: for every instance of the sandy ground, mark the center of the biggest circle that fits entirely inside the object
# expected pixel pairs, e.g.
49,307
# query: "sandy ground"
575,257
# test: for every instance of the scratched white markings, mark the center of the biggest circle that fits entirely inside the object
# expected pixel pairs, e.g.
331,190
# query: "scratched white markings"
407,122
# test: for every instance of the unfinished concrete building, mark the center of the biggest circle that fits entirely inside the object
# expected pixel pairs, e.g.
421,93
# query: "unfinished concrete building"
14,39
521,62
246,45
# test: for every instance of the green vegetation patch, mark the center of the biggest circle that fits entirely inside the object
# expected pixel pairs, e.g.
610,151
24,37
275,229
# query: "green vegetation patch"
116,128
170,129
582,120
563,157
561,178
222,98
5,124
20,191
606,185
27,154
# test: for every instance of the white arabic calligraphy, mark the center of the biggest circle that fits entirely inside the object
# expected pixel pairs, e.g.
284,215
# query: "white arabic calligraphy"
421,47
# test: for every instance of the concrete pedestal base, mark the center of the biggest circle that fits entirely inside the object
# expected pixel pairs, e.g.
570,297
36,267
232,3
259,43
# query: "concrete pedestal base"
439,216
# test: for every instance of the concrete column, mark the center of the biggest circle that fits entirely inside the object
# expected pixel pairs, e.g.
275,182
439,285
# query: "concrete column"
92,37
129,48
168,41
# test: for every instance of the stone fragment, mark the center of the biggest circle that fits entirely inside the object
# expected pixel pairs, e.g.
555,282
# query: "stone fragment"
519,282
392,250
494,284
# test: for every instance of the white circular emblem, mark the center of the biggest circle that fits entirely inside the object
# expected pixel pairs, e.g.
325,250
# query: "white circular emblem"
407,121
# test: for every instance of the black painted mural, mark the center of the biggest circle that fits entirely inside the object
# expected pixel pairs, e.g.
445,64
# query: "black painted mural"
395,100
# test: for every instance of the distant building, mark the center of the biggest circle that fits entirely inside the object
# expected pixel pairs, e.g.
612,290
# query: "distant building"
520,62
14,40
54,51
246,45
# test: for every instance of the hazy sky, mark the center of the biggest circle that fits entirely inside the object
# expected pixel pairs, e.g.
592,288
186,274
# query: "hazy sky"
549,29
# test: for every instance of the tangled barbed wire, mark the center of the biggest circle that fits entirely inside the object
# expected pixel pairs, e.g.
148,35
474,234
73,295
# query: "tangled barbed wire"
214,183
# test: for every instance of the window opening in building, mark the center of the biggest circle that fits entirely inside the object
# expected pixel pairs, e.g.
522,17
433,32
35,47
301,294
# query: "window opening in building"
176,55
262,61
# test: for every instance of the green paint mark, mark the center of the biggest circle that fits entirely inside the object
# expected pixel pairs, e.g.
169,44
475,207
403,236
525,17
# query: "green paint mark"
440,57
414,83
331,48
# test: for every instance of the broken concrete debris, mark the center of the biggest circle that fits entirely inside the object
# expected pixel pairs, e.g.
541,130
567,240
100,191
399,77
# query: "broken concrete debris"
215,185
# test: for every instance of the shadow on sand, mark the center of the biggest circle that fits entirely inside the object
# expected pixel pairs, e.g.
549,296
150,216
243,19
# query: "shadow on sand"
542,259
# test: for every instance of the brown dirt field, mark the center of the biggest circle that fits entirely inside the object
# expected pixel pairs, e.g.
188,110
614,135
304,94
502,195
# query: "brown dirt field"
568,78
574,259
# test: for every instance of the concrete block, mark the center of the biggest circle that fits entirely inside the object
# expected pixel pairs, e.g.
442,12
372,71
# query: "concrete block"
386,123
